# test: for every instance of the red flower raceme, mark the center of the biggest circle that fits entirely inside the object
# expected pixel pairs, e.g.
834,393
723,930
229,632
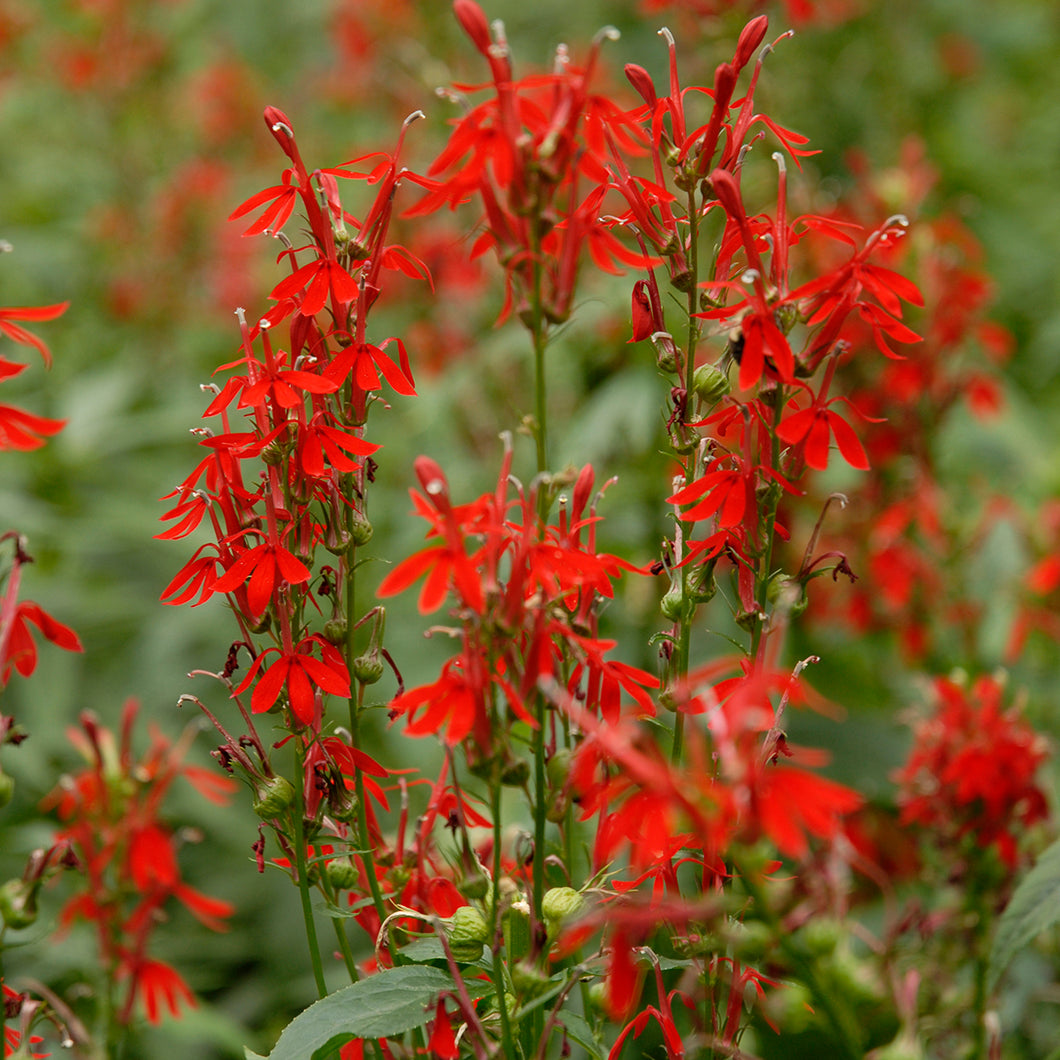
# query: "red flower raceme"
972,771
110,813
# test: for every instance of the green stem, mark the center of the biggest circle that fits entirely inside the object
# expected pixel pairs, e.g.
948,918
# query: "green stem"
356,703
682,650
345,950
495,918
302,868
364,839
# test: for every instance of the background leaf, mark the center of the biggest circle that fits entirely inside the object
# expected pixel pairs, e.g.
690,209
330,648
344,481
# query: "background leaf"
1034,908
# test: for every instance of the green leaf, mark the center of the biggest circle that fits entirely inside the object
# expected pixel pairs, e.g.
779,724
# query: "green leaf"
580,1031
1034,907
381,1006
249,1054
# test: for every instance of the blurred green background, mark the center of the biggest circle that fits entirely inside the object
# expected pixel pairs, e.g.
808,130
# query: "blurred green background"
130,130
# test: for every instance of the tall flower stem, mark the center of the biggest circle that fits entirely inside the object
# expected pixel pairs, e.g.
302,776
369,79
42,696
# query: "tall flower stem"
355,705
495,915
683,644
302,868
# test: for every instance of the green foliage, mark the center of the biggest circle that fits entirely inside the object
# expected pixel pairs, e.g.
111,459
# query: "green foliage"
389,1003
1032,910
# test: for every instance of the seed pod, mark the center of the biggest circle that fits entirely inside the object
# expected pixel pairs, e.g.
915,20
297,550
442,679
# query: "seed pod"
342,874
559,903
335,631
18,903
273,797
675,606
467,934
361,530
367,668
710,384
528,979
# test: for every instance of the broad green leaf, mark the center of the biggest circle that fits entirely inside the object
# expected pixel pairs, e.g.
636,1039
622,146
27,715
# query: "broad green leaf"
380,1006
1034,907
249,1054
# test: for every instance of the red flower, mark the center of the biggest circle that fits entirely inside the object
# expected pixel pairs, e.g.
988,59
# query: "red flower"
17,648
259,568
442,1043
972,770
300,672
19,334
155,984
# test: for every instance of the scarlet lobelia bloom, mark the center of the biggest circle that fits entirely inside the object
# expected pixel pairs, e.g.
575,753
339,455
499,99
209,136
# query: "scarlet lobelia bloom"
111,821
972,769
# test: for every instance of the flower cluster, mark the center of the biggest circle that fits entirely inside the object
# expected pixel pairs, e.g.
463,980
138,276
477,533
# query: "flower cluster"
127,856
22,430
973,770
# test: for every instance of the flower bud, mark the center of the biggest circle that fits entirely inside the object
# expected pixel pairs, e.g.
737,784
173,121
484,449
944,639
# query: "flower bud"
750,38
7,789
821,935
273,797
641,80
342,804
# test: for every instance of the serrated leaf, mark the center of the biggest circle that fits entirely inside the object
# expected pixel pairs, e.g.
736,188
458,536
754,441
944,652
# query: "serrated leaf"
381,1006
1033,908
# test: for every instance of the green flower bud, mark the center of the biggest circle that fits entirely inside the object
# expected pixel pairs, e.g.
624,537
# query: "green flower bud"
273,797
272,455
18,903
342,805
